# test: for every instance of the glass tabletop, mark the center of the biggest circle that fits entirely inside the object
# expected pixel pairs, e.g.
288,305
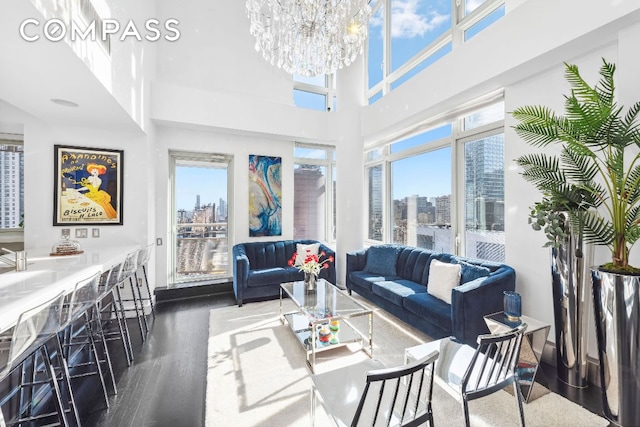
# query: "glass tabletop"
324,301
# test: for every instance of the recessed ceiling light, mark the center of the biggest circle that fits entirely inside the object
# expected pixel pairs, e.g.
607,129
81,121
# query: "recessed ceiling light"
64,102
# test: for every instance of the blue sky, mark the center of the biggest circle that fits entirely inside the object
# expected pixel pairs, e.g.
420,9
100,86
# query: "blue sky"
209,183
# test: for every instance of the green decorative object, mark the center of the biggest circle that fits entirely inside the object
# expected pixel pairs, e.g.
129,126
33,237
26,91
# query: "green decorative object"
595,178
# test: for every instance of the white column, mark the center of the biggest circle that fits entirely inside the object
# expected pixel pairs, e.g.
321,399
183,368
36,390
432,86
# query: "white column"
350,191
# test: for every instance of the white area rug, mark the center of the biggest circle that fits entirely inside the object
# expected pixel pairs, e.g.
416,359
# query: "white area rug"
257,375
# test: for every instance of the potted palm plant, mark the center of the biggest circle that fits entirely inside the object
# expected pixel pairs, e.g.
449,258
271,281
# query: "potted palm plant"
598,168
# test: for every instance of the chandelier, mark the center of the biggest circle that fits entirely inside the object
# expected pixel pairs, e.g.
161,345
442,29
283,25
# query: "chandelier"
309,37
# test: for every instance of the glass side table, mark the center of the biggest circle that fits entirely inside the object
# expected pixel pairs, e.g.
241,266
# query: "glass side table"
533,342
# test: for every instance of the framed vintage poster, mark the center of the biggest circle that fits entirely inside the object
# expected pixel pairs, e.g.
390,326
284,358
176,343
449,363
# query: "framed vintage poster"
265,196
88,186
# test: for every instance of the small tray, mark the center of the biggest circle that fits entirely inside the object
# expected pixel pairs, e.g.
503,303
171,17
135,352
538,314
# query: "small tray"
66,254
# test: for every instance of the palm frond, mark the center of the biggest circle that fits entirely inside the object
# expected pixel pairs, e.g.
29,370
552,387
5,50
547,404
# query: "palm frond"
597,230
632,186
541,170
580,88
578,163
538,125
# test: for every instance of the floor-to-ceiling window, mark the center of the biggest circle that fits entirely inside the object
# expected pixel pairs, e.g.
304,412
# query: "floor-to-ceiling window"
442,189
314,193
482,153
420,206
201,215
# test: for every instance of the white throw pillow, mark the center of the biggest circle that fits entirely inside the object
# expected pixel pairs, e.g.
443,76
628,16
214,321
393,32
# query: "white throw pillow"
443,277
301,251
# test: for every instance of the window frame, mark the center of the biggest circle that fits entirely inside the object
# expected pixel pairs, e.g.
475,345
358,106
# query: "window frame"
455,141
454,35
329,163
484,131
328,90
15,234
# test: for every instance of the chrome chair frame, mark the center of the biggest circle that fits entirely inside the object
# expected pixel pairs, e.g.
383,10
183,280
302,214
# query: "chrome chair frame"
401,395
30,336
110,304
143,262
82,305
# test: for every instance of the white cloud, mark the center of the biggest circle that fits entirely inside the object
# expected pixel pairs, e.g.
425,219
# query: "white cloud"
408,22
473,5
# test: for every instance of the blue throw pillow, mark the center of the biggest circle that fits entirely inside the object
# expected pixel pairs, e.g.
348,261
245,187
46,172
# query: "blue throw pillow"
382,259
471,271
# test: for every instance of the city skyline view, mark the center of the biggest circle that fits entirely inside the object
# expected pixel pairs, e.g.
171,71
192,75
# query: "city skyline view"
207,182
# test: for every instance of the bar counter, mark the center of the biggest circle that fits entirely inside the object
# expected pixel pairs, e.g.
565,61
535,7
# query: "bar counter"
47,276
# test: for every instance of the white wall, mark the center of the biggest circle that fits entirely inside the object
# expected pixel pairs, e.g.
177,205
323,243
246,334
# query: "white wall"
122,71
39,139
239,147
216,53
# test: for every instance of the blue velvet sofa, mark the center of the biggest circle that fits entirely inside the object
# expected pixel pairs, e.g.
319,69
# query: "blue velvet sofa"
260,267
397,281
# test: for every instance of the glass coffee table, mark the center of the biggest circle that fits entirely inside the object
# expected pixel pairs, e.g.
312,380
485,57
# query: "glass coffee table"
323,317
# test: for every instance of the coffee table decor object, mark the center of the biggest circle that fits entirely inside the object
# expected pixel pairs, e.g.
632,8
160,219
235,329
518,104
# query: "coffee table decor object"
321,313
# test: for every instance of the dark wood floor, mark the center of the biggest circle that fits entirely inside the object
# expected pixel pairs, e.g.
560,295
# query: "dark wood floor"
165,386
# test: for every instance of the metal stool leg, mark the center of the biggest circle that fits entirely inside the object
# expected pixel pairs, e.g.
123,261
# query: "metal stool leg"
134,299
103,341
146,282
122,321
141,300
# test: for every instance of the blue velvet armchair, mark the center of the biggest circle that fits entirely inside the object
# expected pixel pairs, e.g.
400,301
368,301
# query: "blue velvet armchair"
260,267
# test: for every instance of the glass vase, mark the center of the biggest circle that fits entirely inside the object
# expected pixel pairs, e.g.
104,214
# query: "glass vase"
310,280
512,305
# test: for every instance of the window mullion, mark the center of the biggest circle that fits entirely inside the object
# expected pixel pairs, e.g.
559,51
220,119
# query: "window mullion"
386,48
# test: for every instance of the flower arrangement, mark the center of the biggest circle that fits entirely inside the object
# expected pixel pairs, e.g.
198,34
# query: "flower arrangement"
312,263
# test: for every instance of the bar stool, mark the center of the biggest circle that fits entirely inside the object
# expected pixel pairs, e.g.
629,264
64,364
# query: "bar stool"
110,307
26,344
143,262
82,306
129,273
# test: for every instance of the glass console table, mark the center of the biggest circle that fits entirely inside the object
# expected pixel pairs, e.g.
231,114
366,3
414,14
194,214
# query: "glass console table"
319,308
533,342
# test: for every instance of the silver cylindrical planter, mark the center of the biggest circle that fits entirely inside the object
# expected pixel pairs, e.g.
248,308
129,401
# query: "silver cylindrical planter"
571,262
616,302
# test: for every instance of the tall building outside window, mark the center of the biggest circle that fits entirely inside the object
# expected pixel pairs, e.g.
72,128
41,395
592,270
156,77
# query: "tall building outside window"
314,193
12,184
424,208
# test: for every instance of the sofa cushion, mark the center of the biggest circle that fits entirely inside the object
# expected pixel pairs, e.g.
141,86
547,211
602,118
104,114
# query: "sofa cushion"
301,251
429,307
470,271
382,259
364,279
395,291
443,277
270,276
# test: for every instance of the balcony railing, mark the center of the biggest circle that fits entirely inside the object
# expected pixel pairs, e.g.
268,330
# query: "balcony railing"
202,251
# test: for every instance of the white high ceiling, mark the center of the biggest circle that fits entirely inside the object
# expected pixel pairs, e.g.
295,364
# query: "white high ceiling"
32,73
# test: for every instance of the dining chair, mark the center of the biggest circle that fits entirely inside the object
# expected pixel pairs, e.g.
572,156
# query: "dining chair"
26,344
469,374
369,393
